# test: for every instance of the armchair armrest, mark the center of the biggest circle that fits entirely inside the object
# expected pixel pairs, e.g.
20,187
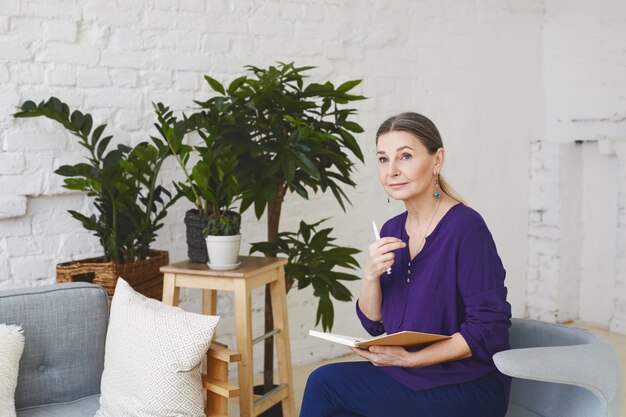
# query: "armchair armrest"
591,366
215,381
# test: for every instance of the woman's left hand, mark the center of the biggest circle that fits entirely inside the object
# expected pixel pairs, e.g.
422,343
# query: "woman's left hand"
387,356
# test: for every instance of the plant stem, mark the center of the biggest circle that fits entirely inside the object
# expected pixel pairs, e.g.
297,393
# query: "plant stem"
198,201
116,255
273,220
155,173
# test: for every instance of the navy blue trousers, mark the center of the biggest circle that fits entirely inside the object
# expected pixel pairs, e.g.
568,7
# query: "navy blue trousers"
359,389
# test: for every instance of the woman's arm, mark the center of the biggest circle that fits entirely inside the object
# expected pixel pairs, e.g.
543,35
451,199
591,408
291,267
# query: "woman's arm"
448,350
380,258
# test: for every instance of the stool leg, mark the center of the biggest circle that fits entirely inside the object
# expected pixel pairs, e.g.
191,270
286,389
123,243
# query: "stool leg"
170,290
215,402
243,318
209,302
279,304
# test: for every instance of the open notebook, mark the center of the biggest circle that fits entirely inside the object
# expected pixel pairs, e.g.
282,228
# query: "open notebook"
405,339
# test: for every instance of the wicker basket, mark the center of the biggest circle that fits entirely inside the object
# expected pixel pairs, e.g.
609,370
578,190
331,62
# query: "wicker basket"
144,276
196,242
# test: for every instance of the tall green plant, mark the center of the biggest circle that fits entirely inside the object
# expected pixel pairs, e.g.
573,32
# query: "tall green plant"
290,136
130,206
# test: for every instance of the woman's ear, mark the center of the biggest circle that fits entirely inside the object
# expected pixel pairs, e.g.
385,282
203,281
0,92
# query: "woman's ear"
439,158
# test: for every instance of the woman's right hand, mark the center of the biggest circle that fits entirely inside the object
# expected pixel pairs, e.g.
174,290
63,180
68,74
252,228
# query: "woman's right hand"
381,257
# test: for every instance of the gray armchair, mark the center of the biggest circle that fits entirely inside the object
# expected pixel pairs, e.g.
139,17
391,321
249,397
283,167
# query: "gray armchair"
560,371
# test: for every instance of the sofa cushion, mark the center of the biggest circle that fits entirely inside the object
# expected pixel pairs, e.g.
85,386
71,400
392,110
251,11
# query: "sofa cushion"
83,407
65,329
152,359
11,348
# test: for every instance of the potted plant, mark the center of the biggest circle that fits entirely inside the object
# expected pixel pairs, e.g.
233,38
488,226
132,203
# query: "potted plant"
290,137
211,185
214,174
129,205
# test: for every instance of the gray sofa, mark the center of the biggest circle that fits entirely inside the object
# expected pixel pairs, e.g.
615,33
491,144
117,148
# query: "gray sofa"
65,330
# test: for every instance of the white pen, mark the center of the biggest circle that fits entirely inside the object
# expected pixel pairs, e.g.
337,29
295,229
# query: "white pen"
377,236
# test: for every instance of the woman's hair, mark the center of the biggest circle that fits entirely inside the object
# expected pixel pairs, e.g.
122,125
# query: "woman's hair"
425,131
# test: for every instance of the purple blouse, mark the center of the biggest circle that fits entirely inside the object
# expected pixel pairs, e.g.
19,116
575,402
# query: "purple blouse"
455,284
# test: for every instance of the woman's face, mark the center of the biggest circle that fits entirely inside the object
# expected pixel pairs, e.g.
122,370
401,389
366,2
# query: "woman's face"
405,168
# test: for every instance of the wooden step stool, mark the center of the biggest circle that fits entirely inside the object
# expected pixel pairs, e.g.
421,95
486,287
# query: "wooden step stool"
252,273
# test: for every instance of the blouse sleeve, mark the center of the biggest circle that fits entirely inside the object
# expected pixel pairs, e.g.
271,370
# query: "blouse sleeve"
375,328
481,287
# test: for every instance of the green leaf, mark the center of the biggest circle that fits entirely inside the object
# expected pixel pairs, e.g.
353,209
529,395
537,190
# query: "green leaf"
325,312
103,145
320,240
95,136
215,85
289,167
354,127
300,190
259,206
236,83
77,119
305,231
66,171
55,104
340,292
346,277
348,85
87,124
351,144
307,165
29,106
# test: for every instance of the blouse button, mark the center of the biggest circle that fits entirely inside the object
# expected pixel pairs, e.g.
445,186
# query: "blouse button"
408,280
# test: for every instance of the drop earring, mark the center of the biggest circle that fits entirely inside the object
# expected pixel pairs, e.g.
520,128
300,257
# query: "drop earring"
437,194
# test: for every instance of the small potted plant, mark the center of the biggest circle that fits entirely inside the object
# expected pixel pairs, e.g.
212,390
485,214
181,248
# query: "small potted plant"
213,225
128,202
215,173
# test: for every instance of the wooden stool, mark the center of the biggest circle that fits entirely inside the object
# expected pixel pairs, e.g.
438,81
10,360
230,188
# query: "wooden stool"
252,273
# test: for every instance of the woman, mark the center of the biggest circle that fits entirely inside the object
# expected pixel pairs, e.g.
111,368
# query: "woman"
446,277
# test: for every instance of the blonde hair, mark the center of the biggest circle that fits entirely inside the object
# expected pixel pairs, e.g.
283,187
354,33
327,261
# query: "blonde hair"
426,132
446,188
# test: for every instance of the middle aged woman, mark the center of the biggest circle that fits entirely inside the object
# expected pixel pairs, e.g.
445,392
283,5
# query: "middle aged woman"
446,277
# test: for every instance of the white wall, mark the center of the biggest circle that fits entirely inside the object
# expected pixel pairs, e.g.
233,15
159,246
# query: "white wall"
577,262
584,63
473,67
599,232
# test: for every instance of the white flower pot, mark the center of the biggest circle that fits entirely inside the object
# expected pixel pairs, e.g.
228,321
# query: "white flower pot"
223,252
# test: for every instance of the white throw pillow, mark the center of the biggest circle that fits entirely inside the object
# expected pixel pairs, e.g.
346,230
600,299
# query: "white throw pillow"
152,358
11,349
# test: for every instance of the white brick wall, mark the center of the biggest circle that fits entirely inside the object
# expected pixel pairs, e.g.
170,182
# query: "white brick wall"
475,68
575,231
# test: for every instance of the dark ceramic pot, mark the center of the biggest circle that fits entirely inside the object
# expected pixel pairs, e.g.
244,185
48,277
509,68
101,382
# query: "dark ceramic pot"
196,243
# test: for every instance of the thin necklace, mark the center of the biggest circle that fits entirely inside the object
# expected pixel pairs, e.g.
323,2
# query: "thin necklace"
423,241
